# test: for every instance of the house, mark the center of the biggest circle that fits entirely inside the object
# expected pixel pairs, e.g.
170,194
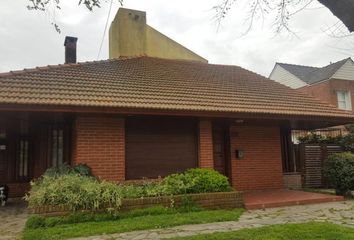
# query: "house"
143,116
333,83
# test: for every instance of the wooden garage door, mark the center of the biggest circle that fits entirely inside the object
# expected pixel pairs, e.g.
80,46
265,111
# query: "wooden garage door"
159,146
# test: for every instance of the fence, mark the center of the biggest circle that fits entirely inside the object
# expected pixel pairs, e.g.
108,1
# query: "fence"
312,158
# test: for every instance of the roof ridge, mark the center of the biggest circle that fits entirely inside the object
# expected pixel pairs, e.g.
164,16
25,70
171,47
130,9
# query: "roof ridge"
343,60
298,65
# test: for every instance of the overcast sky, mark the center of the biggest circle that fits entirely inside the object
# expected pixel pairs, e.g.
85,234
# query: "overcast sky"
28,39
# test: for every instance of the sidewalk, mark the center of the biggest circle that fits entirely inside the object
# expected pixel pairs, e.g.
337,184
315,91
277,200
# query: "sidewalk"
335,212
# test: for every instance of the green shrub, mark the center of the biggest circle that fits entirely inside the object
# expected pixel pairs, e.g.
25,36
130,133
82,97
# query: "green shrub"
65,169
75,191
346,141
339,170
196,181
82,192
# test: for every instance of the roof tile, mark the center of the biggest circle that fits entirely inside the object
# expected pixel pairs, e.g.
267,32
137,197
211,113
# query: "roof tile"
154,83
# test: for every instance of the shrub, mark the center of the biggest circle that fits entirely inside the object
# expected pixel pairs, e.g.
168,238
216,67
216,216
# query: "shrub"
78,191
65,169
196,181
339,170
75,191
346,141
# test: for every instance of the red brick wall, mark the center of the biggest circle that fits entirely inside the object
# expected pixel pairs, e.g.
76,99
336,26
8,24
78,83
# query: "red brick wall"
205,144
327,91
100,143
261,167
18,189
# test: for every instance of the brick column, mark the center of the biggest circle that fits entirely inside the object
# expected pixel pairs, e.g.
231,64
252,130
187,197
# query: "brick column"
205,144
99,142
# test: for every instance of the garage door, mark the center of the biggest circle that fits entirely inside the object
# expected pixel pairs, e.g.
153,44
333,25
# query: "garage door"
159,146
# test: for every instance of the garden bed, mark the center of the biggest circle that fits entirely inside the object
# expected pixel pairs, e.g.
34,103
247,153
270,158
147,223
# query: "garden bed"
220,200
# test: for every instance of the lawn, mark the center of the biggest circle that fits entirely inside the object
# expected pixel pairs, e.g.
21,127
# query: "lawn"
304,231
89,225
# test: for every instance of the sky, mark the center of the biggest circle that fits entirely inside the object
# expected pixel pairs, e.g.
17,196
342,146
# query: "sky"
28,39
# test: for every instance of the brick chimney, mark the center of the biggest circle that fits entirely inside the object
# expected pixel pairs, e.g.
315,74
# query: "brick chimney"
70,49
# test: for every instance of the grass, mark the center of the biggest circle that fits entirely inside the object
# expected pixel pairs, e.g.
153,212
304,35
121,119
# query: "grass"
78,225
304,231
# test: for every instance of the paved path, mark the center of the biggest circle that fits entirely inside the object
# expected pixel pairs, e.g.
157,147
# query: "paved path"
336,212
12,220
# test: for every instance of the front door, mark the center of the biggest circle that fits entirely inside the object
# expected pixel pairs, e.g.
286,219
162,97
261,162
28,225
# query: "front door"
220,149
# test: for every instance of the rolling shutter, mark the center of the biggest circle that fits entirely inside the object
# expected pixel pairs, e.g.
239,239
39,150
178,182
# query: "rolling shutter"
159,146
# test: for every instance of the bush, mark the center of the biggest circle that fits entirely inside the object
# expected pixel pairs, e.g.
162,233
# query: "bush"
82,192
75,191
339,170
65,169
346,142
196,181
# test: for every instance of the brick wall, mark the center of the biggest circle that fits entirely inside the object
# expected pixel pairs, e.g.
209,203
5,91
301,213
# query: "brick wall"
18,189
100,143
327,90
205,144
261,167
220,200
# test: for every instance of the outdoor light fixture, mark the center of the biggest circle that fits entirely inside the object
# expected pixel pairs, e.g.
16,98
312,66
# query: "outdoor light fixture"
239,121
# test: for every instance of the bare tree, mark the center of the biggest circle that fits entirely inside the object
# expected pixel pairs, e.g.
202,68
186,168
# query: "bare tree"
51,6
280,10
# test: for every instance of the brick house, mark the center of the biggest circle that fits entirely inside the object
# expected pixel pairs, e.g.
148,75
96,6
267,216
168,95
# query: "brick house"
134,117
333,84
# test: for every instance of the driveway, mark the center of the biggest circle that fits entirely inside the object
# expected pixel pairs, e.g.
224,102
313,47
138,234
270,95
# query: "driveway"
12,220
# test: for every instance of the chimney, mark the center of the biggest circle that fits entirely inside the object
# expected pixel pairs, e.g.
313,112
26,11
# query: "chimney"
127,34
70,49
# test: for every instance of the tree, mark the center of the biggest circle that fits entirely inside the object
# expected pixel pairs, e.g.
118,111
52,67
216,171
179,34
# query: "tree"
44,5
283,10
280,10
53,5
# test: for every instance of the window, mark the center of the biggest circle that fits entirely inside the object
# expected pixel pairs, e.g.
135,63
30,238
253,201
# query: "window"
344,100
23,151
23,158
56,146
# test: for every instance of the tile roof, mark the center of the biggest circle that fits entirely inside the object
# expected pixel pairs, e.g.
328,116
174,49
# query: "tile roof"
153,83
313,75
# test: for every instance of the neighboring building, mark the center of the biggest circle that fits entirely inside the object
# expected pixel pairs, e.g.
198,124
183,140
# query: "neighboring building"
333,83
143,116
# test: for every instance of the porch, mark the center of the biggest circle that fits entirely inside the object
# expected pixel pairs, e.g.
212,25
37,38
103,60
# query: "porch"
120,147
31,143
282,197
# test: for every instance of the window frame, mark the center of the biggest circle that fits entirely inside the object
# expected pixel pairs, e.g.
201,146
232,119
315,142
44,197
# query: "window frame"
347,100
23,159
63,131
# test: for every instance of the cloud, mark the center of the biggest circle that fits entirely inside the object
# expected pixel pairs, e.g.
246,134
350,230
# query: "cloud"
28,39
